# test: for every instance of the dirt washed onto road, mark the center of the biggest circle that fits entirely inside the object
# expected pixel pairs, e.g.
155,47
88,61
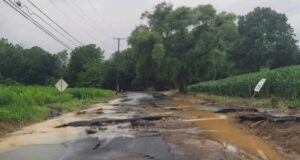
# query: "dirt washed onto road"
285,136
220,128
137,126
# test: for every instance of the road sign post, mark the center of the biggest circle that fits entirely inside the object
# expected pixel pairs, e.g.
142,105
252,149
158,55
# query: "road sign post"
61,86
258,87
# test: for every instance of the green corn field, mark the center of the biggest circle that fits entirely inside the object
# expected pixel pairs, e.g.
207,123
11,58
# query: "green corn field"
282,82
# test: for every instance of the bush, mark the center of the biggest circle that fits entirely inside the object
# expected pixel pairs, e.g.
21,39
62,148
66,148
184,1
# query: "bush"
282,82
88,93
19,114
6,97
7,81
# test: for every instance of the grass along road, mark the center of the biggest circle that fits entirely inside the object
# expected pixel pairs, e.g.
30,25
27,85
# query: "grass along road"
20,105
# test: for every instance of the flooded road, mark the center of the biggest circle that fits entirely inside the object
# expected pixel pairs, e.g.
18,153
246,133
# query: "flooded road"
220,127
137,126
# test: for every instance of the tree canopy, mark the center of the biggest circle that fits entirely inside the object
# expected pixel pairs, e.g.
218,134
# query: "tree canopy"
266,40
176,47
84,66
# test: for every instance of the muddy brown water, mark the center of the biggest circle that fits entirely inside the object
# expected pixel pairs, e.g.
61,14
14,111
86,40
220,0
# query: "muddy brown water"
221,128
227,133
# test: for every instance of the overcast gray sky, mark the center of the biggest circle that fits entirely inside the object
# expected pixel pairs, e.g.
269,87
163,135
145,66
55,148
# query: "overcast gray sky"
99,21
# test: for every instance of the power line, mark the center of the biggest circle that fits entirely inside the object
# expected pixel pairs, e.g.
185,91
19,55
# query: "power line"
33,13
90,19
54,22
28,17
79,24
19,4
99,15
80,15
86,17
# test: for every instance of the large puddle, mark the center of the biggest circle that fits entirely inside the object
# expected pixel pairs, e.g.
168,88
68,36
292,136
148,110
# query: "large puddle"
222,129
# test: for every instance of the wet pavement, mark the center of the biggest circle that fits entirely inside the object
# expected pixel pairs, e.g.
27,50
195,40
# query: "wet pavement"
137,126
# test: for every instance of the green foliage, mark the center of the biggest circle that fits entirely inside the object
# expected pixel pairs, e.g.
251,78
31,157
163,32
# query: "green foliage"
63,59
32,103
88,93
148,53
90,76
282,82
276,102
21,114
125,64
183,45
7,81
176,47
158,54
6,97
85,61
27,66
267,40
39,66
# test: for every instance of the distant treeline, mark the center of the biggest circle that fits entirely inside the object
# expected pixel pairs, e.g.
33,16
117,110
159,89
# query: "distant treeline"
177,47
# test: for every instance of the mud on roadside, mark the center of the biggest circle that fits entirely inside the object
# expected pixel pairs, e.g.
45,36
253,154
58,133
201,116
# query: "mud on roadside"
284,136
193,141
6,128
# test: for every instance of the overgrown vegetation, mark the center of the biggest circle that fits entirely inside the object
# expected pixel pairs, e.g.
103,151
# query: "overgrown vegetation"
33,103
274,102
174,48
282,82
184,45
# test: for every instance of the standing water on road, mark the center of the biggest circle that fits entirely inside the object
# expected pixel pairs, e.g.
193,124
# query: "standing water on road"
136,126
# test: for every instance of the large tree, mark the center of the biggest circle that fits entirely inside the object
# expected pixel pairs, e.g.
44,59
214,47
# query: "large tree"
11,60
63,61
40,67
193,41
28,66
83,62
267,40
125,63
213,41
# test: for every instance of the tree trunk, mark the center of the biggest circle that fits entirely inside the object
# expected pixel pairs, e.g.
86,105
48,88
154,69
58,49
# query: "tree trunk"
183,85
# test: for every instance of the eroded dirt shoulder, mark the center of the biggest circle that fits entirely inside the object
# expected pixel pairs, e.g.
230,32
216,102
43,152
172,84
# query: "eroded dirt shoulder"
279,130
219,128
284,136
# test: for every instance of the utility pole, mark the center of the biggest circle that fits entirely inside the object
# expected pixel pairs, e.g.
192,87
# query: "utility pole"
117,70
